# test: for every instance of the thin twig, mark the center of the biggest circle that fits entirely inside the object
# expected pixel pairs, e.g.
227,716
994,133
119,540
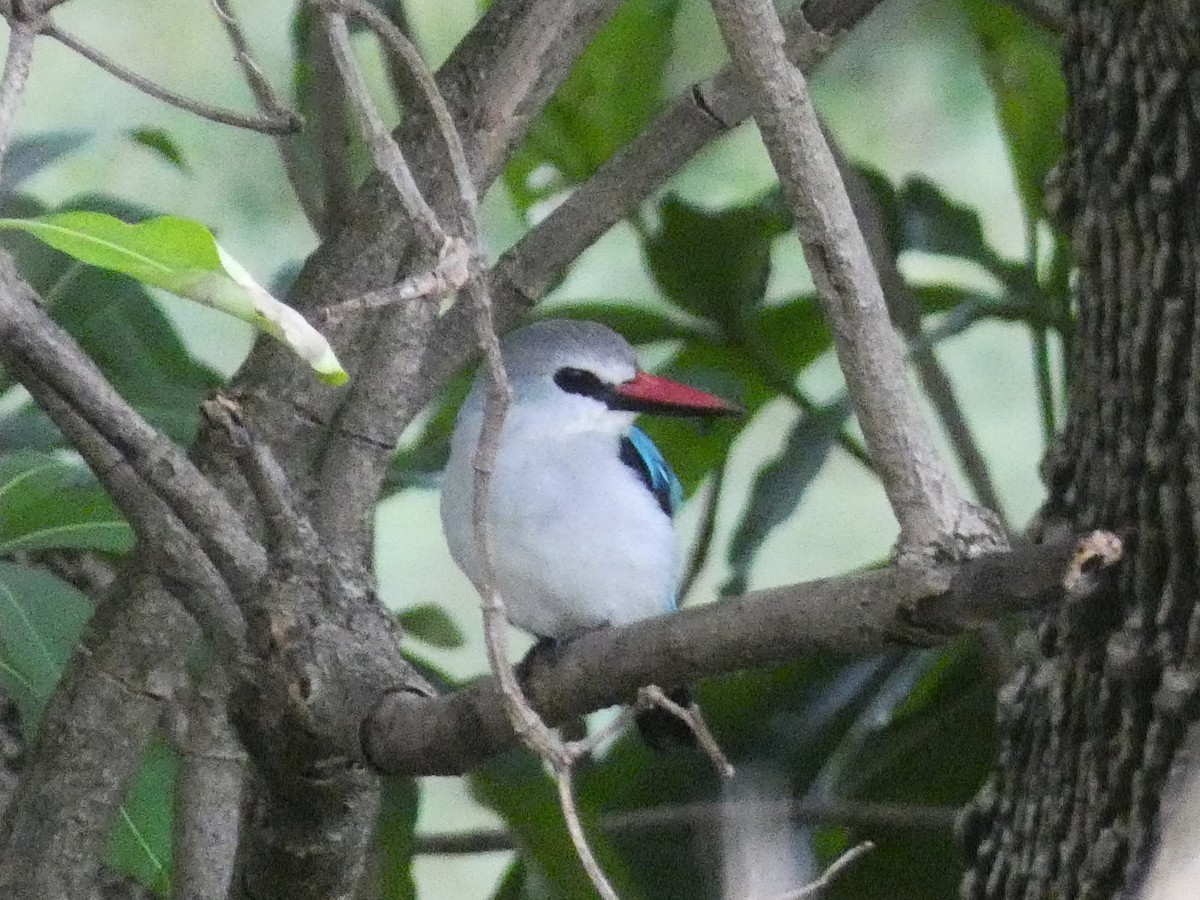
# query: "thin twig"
449,276
652,695
269,104
284,123
838,868
935,520
566,801
22,36
403,51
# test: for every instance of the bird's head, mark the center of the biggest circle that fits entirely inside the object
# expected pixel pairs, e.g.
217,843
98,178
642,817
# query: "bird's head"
587,372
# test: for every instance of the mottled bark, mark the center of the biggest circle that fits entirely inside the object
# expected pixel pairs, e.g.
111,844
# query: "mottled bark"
1091,725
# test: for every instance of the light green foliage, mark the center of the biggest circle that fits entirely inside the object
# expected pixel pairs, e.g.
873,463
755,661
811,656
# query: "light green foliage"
181,256
50,503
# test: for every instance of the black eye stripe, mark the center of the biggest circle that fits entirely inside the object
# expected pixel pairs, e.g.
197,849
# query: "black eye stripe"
581,381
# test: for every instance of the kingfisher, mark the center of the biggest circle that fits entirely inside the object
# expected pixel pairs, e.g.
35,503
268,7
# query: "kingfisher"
581,499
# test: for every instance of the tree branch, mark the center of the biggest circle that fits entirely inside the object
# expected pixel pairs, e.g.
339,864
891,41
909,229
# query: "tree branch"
935,521
35,343
208,793
906,314
897,818
852,616
283,122
21,38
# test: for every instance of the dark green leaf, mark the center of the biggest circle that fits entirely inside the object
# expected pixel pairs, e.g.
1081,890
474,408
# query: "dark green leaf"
1022,63
936,750
517,788
50,503
933,223
28,156
792,336
431,624
397,838
41,618
157,140
780,486
887,201
140,842
713,264
613,90
512,884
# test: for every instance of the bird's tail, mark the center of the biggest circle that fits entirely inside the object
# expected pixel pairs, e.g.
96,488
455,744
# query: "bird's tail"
661,729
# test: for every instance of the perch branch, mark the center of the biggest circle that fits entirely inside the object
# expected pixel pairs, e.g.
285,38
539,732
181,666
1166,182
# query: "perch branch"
850,616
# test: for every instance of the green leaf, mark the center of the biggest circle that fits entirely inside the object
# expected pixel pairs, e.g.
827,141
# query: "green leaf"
1022,63
780,486
397,838
613,90
181,256
41,618
431,624
50,503
712,264
933,223
140,842
158,141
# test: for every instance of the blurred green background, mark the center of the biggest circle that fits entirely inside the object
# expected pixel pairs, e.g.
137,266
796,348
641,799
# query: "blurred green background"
909,93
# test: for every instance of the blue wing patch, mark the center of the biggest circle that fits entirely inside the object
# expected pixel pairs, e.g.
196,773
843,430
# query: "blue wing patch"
639,453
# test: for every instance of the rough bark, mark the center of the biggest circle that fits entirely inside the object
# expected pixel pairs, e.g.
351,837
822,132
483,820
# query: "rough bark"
1091,726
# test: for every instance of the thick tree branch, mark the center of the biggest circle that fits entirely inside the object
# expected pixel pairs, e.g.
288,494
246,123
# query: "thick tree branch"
935,521
906,314
855,616
208,792
21,38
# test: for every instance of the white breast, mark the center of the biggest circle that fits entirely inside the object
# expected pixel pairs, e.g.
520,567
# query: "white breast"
579,540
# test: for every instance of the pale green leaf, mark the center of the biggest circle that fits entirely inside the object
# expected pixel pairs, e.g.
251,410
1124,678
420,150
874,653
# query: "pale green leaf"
181,256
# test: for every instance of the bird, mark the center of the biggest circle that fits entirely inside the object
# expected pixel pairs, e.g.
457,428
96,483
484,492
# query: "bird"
581,502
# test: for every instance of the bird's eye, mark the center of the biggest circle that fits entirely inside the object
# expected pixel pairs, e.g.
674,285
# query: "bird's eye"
580,381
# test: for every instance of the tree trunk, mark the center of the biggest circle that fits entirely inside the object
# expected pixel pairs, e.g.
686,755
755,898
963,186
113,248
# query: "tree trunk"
1090,726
